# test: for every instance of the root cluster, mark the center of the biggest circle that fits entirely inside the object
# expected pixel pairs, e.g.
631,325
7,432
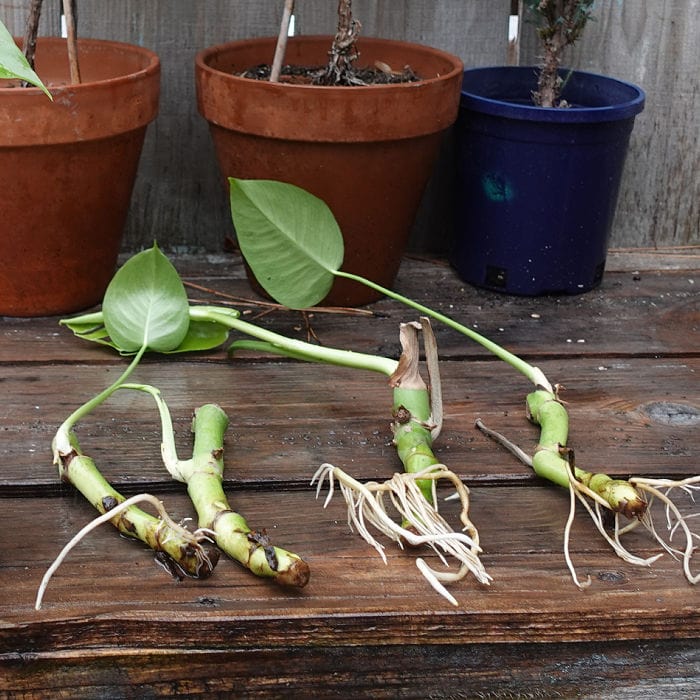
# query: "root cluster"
421,523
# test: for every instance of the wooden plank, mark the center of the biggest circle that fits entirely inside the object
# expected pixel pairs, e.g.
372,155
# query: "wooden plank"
109,585
114,624
655,46
649,259
611,393
287,419
667,669
660,308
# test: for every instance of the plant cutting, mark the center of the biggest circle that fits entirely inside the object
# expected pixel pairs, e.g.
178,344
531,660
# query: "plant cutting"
541,151
366,149
203,474
140,317
287,234
84,146
412,494
416,420
145,309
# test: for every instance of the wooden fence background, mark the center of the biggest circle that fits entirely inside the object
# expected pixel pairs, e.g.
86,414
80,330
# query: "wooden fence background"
179,199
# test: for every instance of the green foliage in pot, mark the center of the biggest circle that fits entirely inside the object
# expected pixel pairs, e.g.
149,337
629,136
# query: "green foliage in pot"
560,24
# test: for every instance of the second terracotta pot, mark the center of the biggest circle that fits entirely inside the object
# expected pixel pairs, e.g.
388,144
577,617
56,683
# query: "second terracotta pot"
368,152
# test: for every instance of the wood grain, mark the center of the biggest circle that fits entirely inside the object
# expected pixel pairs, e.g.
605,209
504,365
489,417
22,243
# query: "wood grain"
389,671
350,588
305,415
116,625
660,305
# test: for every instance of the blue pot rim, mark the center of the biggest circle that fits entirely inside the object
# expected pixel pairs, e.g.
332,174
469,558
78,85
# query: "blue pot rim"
509,106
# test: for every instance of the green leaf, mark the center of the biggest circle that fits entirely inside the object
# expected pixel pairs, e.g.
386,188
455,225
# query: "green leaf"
13,64
85,324
145,304
201,335
289,238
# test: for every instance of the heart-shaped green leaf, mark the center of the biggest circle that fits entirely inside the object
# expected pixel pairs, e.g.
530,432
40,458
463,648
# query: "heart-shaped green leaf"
289,238
146,304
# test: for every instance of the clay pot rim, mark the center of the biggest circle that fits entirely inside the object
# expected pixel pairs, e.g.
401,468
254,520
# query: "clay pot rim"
327,114
152,66
111,101
202,57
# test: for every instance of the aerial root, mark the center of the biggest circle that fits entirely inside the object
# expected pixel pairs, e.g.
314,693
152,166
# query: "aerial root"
597,511
660,489
598,508
166,523
422,524
652,489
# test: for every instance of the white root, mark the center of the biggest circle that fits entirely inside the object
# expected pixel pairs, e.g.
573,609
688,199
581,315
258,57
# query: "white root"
580,492
675,520
367,508
166,521
567,538
655,489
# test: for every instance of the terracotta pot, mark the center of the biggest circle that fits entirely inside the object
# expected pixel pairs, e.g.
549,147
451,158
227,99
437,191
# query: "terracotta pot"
67,170
366,151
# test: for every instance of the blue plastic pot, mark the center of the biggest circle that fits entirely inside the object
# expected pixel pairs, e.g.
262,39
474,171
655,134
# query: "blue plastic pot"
537,187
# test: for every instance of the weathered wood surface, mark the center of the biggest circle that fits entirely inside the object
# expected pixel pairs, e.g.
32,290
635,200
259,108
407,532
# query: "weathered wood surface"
115,625
179,199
